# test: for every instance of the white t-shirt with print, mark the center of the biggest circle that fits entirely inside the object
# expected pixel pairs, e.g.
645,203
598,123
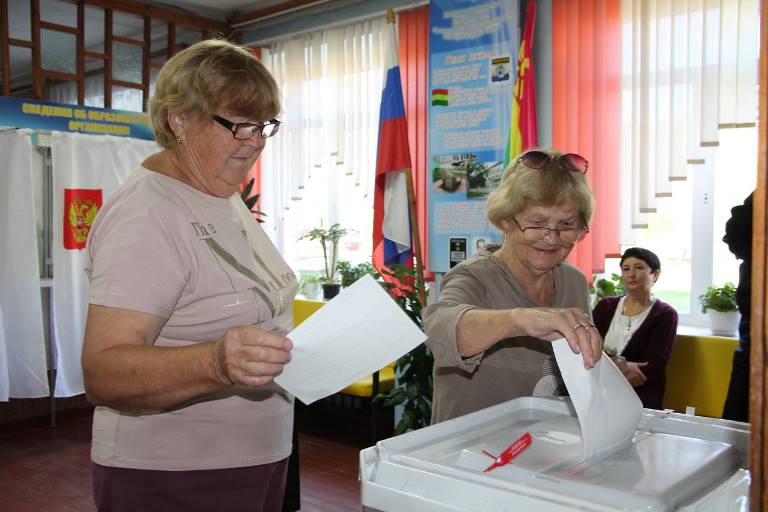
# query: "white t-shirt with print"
162,247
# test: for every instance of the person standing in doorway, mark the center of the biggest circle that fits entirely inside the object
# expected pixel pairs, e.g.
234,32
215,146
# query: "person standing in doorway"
738,236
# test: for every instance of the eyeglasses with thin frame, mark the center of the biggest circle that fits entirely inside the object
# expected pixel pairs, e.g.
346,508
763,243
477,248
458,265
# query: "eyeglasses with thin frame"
539,233
244,131
539,160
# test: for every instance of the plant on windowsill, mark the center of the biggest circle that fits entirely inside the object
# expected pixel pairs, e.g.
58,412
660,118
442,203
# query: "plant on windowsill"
329,239
350,273
310,284
414,369
251,200
719,302
606,287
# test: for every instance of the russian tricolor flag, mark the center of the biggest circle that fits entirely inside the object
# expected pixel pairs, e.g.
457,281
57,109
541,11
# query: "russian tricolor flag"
392,241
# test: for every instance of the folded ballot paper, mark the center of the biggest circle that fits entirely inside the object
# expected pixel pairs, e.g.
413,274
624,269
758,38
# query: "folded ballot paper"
606,405
358,332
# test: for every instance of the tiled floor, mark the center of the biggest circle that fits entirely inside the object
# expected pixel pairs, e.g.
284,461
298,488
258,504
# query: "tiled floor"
44,469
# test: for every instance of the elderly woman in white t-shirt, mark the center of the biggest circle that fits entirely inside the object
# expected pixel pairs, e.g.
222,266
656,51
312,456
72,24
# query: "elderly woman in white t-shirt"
189,305
639,327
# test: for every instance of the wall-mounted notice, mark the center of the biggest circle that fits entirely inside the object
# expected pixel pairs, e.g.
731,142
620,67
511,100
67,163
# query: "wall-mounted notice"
458,251
44,115
472,47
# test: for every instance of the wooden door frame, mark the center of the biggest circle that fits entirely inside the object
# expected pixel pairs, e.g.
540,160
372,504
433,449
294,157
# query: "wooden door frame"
759,327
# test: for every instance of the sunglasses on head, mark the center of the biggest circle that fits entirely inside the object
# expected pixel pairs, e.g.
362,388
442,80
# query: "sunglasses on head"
540,160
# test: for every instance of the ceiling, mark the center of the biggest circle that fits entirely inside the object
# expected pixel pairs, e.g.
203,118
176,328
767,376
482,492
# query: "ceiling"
220,9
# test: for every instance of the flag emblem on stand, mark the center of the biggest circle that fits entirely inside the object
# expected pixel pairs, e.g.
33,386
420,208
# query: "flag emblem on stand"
80,209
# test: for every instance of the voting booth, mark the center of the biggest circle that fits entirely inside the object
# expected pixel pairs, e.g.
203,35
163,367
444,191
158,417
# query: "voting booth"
53,183
673,462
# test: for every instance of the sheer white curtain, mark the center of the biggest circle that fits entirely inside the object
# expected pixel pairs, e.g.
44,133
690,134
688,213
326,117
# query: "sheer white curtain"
330,83
689,69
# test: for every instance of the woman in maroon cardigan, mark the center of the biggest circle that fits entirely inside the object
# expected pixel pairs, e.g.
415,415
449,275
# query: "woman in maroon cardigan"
639,327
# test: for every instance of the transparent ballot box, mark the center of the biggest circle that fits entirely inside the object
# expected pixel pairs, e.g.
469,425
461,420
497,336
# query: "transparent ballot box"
673,462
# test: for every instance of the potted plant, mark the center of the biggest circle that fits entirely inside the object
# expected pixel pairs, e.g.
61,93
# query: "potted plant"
329,239
309,284
414,370
607,287
720,304
251,200
350,273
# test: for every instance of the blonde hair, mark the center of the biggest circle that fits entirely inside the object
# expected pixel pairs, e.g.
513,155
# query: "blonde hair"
522,186
209,76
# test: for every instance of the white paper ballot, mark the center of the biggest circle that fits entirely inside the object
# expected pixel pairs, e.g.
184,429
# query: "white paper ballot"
607,406
358,332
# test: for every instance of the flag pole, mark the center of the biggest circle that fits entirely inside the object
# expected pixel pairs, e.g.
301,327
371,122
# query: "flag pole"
416,240
412,208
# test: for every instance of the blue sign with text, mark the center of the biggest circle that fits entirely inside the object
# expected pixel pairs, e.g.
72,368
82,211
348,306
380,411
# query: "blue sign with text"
44,115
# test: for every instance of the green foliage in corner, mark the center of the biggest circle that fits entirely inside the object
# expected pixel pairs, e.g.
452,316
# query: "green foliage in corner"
350,273
414,369
251,200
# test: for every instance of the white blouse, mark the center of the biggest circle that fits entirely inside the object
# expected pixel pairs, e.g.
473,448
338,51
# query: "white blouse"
623,327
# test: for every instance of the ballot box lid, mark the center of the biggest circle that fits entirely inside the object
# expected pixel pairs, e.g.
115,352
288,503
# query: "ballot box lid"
445,463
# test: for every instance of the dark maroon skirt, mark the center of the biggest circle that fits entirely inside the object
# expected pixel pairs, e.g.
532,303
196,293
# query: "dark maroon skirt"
252,488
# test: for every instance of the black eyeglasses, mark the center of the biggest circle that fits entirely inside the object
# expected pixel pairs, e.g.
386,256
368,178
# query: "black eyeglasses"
539,233
540,160
244,131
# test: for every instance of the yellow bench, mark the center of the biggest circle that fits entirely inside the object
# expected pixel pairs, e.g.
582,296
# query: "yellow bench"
302,309
698,374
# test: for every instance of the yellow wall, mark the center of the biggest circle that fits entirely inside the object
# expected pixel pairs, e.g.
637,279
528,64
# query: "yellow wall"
698,374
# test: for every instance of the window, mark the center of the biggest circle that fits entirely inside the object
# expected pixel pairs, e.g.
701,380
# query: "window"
689,142
319,170
687,229
329,196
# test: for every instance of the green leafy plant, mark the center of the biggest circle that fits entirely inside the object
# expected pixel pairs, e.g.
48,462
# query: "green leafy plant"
307,280
719,298
350,273
607,287
251,200
329,238
414,369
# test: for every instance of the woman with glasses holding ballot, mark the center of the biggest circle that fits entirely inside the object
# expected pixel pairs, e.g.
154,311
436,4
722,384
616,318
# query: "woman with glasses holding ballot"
639,327
498,311
190,303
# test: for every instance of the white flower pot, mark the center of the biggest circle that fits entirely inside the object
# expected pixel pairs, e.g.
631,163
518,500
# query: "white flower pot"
311,291
724,324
